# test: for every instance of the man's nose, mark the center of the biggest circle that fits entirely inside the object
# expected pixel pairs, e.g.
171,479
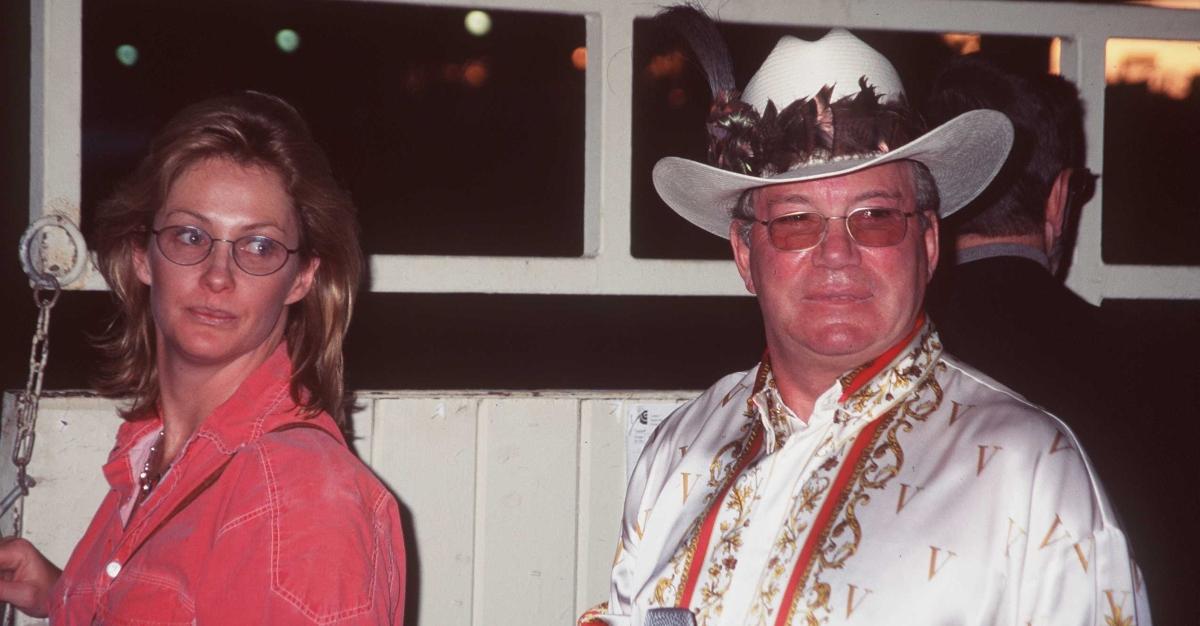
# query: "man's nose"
837,248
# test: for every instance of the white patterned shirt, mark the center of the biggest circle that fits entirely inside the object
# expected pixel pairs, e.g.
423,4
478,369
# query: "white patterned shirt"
918,492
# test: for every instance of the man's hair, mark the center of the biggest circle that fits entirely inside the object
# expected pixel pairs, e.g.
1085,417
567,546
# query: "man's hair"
924,190
1047,118
250,129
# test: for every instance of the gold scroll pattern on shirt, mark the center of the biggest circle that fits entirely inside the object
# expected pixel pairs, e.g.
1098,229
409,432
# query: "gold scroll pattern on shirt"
668,589
882,462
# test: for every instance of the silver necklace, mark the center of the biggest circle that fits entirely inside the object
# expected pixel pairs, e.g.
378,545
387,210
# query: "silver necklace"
149,478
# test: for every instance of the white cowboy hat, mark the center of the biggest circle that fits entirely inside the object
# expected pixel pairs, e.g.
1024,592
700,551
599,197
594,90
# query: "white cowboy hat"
963,155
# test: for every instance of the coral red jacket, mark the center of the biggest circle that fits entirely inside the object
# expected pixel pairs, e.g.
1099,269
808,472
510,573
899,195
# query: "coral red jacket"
265,518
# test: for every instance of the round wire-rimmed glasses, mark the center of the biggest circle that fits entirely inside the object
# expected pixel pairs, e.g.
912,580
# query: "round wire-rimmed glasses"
873,227
254,254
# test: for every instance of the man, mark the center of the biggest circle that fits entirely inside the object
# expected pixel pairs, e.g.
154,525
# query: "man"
997,304
857,475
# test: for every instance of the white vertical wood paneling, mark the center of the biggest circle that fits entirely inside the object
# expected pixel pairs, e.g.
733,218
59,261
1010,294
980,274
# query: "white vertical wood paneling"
525,538
424,448
601,491
74,437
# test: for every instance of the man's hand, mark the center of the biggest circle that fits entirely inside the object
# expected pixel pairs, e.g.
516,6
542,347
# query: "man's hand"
26,577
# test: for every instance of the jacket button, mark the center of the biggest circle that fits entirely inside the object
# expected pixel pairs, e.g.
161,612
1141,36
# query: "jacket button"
112,569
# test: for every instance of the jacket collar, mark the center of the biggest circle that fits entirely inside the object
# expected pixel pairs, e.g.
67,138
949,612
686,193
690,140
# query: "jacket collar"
262,403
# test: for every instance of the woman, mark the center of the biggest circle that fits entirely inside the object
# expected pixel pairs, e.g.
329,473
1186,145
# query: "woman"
234,258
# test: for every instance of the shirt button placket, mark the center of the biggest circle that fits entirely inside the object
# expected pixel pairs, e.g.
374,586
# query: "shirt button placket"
112,569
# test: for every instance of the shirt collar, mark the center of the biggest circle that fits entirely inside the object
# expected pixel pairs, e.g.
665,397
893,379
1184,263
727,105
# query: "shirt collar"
261,403
992,250
864,392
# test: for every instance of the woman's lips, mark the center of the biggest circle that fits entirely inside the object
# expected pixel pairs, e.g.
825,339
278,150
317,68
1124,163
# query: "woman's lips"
211,316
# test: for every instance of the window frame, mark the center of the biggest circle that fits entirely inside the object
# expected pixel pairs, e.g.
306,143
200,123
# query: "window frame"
607,266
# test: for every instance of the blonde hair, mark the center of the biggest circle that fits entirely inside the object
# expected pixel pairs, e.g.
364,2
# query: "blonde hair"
248,128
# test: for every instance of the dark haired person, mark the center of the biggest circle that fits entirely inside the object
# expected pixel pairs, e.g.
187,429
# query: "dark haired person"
997,302
234,259
858,474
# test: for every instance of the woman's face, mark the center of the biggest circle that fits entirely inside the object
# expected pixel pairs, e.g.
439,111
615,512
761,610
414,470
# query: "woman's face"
214,313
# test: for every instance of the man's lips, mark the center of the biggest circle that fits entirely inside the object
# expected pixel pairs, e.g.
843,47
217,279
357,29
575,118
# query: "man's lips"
837,296
209,315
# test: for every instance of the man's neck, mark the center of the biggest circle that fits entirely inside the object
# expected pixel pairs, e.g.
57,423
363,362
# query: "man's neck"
799,387
801,377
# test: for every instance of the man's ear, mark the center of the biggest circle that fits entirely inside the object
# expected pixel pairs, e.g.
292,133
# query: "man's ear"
303,281
741,254
1056,208
931,246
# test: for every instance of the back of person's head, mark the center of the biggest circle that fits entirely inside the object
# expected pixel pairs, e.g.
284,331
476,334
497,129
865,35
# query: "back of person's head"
1047,116
248,128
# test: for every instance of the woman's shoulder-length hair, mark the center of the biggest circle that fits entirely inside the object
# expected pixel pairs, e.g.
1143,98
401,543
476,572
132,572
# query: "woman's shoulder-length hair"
253,129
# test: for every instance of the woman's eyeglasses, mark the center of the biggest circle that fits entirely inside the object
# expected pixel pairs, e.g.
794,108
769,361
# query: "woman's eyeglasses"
189,245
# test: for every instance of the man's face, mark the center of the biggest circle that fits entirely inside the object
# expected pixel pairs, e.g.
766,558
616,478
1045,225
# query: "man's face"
839,304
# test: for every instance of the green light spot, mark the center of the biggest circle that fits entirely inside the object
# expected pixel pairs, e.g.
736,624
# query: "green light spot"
127,55
287,40
478,23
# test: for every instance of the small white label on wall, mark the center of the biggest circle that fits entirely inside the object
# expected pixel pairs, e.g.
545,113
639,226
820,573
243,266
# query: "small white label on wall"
641,420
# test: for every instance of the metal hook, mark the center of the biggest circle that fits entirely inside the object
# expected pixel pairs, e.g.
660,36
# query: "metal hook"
49,273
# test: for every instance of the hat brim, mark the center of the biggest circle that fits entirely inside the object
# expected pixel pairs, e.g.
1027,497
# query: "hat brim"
963,155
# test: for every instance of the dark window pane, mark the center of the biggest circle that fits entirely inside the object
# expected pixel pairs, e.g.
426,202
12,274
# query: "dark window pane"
1151,131
451,143
671,100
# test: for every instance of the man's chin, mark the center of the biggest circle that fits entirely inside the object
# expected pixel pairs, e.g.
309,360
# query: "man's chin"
841,340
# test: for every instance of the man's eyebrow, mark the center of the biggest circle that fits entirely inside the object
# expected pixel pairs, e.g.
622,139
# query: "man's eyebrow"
793,198
874,194
870,194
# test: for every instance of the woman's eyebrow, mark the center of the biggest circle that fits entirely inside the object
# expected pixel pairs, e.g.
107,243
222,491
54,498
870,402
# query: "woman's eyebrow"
192,214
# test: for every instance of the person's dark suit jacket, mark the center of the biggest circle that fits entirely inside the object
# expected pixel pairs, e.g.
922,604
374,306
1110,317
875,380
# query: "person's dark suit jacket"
1011,319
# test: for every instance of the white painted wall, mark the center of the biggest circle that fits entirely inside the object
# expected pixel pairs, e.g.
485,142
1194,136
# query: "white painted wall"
515,498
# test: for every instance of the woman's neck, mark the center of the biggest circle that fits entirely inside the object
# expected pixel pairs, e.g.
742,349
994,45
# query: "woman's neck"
190,391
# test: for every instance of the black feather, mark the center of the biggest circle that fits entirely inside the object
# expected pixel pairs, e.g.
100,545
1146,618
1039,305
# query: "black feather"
708,48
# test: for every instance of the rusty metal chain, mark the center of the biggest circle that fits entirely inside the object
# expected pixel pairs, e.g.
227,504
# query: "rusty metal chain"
27,413
27,400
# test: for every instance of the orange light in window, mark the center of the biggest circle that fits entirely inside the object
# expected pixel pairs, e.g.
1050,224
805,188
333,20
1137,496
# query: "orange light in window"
1170,68
579,58
664,65
1171,4
475,73
962,43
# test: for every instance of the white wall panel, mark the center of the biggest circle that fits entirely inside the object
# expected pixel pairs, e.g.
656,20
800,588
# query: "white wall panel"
424,449
525,543
74,436
601,490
